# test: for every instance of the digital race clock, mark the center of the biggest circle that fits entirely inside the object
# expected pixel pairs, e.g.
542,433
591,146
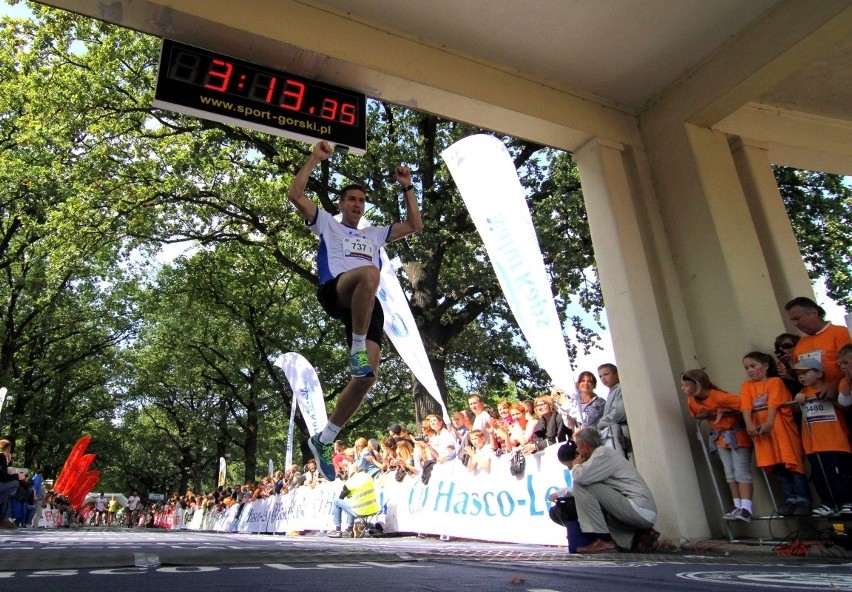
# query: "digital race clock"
213,86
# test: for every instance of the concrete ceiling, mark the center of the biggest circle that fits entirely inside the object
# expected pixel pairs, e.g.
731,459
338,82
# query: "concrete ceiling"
624,52
558,71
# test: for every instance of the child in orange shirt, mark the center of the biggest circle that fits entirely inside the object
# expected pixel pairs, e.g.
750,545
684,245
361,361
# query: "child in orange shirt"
729,436
826,441
777,445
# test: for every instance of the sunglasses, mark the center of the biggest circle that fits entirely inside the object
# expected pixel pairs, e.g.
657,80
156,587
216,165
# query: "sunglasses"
787,346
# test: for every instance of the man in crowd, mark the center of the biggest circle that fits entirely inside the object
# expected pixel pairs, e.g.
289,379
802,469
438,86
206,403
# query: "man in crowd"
614,419
614,505
821,341
348,263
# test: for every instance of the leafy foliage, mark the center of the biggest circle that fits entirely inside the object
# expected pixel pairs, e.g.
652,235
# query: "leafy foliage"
820,209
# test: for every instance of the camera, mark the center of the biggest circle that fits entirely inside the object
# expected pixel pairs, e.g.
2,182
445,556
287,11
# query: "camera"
421,438
567,452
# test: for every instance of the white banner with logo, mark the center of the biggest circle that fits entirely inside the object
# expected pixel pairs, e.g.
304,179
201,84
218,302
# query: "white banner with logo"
490,506
488,182
307,393
403,332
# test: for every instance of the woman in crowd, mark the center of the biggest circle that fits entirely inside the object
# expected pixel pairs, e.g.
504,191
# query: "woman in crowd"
529,407
388,453
728,436
784,345
422,451
591,405
405,458
442,443
503,408
549,429
365,458
521,430
777,445
497,430
338,460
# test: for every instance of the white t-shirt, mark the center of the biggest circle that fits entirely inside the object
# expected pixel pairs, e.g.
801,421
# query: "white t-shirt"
132,502
343,248
444,444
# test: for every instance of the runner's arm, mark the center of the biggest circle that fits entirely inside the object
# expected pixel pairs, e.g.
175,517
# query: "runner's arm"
413,222
296,194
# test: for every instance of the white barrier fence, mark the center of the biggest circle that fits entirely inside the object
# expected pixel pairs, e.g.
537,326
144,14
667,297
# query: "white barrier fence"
492,506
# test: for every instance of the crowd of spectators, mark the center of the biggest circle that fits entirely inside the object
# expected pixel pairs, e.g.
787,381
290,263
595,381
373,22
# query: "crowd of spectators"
790,416
474,436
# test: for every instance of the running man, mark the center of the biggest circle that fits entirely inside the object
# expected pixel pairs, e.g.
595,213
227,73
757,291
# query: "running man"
348,264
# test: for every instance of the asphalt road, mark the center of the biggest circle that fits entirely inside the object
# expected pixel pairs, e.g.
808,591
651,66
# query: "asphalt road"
151,560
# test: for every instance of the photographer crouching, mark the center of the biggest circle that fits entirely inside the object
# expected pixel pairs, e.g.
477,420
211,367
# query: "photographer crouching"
610,500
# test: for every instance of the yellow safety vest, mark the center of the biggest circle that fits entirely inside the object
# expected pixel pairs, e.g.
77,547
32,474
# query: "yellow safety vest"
362,495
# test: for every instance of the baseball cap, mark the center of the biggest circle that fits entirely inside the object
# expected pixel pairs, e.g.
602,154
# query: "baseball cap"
808,364
395,429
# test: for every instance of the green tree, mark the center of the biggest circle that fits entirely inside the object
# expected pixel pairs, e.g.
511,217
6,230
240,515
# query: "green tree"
820,210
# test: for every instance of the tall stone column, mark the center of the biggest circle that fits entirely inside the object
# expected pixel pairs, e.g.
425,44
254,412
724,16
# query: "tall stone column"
635,281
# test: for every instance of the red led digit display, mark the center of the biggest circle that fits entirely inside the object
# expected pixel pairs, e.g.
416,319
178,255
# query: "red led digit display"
205,83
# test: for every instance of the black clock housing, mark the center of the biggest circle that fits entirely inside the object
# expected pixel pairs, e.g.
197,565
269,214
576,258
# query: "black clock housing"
213,86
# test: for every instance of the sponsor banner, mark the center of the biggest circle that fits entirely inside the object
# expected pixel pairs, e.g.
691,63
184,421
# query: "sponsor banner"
224,521
490,506
307,391
291,428
403,332
488,182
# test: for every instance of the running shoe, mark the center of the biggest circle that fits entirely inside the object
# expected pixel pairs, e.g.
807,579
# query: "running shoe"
845,509
824,511
359,363
732,515
743,515
334,534
323,454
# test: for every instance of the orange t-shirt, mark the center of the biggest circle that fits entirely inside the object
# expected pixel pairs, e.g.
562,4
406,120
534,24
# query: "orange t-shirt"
721,400
783,445
823,347
823,428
